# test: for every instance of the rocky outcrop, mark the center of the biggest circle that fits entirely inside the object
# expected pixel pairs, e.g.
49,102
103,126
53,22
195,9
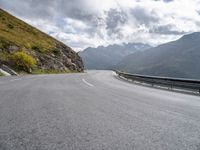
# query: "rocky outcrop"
63,58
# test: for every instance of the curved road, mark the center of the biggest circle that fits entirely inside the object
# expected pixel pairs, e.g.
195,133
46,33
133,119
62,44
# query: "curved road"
94,111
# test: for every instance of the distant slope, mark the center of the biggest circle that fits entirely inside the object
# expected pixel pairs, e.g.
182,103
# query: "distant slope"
19,40
106,57
179,58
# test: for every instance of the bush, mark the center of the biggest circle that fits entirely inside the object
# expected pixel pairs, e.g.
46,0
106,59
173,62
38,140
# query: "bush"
38,48
23,61
10,26
4,44
56,52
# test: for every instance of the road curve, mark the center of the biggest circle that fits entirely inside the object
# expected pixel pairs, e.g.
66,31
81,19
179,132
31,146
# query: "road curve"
94,111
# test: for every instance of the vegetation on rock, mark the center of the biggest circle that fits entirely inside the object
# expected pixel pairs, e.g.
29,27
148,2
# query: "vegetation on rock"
23,61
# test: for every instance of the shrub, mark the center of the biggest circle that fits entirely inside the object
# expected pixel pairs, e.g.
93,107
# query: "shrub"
56,52
23,61
10,26
28,46
4,44
38,48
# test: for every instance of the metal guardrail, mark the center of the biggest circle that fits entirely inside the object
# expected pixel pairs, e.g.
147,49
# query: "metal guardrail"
8,70
172,83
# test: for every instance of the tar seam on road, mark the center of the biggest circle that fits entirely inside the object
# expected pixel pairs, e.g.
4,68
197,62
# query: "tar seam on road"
89,84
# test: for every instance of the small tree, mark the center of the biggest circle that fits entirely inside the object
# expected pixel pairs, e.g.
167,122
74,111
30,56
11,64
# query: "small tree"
23,61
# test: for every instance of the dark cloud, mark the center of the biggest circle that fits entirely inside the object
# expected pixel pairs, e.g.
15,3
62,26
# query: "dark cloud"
43,9
52,10
73,9
198,12
114,20
166,1
49,8
166,30
144,17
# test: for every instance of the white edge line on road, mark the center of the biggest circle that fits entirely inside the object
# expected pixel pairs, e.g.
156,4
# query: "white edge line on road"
87,83
1,83
15,80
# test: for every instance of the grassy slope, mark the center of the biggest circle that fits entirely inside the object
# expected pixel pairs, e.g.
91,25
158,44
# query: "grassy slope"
13,30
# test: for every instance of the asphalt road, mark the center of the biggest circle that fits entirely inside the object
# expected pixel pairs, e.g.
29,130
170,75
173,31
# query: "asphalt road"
94,111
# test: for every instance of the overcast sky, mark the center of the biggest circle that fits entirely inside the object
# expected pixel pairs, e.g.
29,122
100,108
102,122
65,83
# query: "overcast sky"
84,23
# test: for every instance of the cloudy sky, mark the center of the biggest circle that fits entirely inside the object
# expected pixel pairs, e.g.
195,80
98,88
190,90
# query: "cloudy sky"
84,23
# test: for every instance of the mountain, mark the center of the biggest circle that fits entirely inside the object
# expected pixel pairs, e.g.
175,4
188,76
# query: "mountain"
26,49
179,59
106,57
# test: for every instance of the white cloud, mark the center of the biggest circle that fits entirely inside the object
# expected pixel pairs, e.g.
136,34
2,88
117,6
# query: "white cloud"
83,23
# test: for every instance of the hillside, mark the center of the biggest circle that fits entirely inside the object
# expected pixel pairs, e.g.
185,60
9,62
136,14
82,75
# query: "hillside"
174,59
106,57
26,49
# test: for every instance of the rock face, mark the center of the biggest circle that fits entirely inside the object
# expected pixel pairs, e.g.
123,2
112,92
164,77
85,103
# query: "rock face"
48,53
65,58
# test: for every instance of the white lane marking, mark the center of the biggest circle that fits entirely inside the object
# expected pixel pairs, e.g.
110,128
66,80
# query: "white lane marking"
8,81
87,83
15,80
1,83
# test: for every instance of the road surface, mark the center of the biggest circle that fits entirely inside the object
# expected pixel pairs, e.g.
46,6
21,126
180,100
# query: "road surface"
94,111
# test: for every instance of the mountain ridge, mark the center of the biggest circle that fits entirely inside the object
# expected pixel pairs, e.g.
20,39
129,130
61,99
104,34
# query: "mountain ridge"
105,57
178,58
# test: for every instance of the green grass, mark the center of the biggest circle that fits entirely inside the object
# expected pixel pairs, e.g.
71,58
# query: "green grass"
13,30
1,74
23,61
